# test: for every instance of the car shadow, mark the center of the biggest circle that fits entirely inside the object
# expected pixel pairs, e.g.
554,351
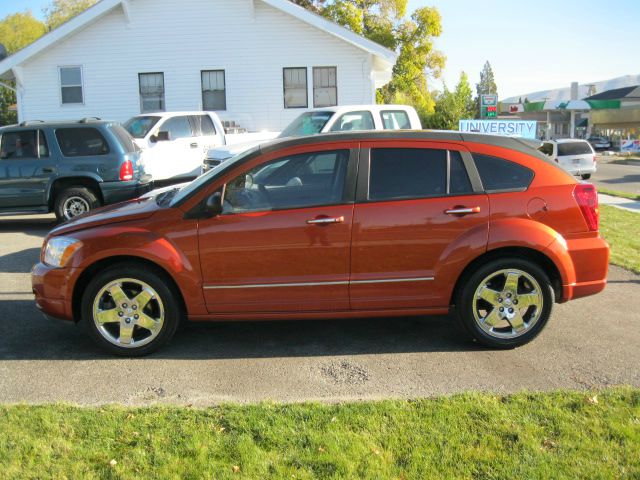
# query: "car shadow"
19,262
625,179
26,335
37,226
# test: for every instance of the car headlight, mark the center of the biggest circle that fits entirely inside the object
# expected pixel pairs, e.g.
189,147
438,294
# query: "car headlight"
59,251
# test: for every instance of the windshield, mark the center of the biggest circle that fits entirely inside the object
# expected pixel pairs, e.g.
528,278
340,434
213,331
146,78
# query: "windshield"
205,178
306,124
138,127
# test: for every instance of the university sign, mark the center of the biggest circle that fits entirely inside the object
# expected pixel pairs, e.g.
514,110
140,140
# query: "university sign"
515,128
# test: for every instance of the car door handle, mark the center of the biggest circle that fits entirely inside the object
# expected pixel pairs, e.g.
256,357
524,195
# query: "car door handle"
194,145
325,220
462,210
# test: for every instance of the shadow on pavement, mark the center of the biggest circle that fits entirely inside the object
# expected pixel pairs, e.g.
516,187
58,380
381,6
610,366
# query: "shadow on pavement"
19,262
35,226
26,335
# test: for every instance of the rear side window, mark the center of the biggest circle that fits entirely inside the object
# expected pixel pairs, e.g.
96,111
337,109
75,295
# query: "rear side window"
354,121
203,125
395,120
547,149
81,142
574,148
397,173
23,144
178,127
125,140
459,183
500,174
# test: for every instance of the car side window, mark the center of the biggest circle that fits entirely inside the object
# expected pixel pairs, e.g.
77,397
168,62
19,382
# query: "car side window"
178,127
362,120
305,180
203,125
23,144
81,142
459,183
395,120
546,148
401,173
500,174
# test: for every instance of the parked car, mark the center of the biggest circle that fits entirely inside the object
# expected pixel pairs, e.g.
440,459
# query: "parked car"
68,168
576,156
362,224
599,143
174,143
330,119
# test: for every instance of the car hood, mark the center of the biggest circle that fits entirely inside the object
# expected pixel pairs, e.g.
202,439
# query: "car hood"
139,208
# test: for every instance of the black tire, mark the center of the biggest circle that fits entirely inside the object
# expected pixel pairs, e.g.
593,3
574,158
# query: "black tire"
166,297
464,302
84,197
586,176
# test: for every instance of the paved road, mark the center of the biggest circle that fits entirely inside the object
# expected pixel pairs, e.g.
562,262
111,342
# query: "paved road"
618,177
591,342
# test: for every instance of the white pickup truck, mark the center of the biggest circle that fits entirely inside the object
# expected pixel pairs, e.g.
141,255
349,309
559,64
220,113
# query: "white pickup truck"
329,119
174,143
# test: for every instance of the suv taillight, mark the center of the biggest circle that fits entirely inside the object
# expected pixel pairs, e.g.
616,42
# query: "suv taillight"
587,198
126,170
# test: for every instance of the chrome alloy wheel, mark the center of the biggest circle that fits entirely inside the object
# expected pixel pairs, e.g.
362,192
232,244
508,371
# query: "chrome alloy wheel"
128,313
507,303
74,206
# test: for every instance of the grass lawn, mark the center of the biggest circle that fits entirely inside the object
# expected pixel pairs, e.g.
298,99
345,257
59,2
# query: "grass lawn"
539,435
621,229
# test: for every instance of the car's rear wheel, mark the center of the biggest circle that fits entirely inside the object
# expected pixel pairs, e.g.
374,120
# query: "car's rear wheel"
130,310
505,303
74,201
586,176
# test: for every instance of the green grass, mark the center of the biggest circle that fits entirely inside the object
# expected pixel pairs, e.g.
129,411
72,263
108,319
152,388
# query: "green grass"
532,436
621,229
618,193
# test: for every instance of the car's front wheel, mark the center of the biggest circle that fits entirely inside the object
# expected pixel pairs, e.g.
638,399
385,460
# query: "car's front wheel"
130,310
505,303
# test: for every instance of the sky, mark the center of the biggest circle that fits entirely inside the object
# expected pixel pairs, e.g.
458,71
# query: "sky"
531,44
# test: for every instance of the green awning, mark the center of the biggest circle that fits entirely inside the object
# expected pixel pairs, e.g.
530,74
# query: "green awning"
534,106
603,104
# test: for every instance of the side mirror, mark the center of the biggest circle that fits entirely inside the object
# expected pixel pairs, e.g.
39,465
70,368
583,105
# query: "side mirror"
214,204
161,136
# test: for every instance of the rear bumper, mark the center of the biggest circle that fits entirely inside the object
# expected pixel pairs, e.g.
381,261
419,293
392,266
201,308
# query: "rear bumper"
52,289
590,258
581,170
114,192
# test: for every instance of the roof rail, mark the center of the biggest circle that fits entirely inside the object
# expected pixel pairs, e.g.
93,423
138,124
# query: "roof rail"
89,119
29,122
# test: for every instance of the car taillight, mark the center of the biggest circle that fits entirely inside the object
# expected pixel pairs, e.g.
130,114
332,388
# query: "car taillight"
594,159
126,170
587,198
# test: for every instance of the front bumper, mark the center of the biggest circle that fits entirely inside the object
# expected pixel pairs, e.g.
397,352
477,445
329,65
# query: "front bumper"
53,290
114,192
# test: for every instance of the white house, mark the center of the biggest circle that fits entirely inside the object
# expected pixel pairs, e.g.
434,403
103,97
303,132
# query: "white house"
256,62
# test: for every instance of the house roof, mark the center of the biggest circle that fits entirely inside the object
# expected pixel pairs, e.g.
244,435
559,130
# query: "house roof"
95,12
617,94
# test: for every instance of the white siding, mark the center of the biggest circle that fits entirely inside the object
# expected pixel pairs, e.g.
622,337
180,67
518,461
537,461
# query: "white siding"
251,41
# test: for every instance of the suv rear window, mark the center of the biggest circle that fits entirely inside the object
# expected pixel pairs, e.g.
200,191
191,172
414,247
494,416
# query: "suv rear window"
574,148
500,174
125,140
81,142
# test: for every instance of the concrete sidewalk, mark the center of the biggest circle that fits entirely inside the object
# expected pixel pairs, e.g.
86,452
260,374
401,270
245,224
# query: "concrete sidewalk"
623,203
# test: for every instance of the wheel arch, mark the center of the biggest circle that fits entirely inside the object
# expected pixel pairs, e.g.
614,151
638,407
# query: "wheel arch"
83,280
530,254
60,183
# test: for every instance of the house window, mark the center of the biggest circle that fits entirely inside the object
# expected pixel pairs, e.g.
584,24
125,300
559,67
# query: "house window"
71,85
151,92
295,87
214,95
325,87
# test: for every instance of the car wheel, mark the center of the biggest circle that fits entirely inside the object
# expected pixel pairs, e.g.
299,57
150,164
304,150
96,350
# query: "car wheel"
130,310
74,201
586,176
505,303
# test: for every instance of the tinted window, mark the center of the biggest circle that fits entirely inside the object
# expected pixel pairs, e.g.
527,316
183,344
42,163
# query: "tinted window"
304,180
80,142
574,148
124,139
395,120
354,121
178,127
306,124
459,182
203,125
499,174
24,144
407,173
138,127
546,148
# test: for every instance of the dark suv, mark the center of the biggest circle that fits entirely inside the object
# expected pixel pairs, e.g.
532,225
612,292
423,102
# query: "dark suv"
68,167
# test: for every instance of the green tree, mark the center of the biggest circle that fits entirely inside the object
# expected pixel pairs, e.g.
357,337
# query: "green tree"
59,11
452,106
487,85
16,31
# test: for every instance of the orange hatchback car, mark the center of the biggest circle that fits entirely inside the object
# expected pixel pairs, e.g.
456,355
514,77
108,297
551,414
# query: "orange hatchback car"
335,226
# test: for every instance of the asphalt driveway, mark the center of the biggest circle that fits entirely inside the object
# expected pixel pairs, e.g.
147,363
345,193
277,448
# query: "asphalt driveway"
591,342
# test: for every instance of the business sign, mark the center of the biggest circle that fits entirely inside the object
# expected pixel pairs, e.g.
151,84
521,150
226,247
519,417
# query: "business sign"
489,100
630,145
515,128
